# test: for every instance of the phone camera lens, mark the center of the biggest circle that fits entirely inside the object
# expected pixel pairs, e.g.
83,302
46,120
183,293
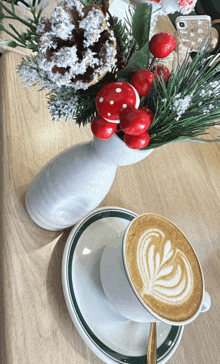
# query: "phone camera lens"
181,24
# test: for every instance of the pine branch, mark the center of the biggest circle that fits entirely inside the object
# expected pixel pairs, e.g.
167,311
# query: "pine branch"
26,39
140,31
32,75
124,37
86,108
187,105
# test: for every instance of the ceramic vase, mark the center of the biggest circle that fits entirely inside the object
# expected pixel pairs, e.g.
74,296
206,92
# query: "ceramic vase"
75,182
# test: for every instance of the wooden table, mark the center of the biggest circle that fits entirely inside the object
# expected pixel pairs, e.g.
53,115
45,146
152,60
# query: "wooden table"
180,182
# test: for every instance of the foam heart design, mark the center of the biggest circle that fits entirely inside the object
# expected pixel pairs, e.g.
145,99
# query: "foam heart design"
166,277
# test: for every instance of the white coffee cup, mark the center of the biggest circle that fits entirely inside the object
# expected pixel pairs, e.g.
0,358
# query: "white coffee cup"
121,293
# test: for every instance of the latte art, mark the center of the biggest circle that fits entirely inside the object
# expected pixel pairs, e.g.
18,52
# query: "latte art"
163,268
162,275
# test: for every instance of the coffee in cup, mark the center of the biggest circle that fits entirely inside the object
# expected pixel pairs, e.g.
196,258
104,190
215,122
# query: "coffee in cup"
163,268
152,273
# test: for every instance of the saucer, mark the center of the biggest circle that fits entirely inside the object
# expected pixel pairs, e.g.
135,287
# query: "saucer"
113,338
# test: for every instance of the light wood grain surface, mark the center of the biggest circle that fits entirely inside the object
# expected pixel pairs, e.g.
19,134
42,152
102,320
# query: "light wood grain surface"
180,182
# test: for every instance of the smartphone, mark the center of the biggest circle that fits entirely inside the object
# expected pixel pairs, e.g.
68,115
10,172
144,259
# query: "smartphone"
194,31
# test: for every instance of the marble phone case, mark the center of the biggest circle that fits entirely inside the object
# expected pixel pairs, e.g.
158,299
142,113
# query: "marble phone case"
194,31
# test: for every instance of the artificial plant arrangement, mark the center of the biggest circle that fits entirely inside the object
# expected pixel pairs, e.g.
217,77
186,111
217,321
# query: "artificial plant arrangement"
107,72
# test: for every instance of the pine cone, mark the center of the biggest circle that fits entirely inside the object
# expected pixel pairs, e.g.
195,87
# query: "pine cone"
76,47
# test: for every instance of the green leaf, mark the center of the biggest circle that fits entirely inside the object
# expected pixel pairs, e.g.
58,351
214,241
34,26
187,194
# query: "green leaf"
12,44
140,28
2,27
2,16
138,61
141,24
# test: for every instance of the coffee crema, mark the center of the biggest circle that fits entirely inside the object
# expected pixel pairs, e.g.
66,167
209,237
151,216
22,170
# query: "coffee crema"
163,268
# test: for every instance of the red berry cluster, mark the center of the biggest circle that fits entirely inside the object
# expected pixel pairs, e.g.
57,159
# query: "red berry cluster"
118,102
135,123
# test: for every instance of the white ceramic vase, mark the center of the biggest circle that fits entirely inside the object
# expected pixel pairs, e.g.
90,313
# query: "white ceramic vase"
76,181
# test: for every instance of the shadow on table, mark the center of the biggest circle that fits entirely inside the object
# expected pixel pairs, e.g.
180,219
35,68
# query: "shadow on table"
57,301
35,237
38,238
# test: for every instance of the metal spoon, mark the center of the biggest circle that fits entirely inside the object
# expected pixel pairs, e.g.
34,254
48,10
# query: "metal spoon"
152,345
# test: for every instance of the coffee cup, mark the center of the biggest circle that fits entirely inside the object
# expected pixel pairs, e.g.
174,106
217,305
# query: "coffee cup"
152,273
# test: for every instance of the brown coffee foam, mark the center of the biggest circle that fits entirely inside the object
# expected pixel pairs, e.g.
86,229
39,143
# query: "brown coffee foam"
176,312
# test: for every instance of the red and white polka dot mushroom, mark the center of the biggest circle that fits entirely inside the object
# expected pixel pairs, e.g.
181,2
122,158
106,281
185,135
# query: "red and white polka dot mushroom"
114,97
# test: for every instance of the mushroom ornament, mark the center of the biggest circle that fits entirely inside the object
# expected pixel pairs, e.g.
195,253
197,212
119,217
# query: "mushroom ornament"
114,97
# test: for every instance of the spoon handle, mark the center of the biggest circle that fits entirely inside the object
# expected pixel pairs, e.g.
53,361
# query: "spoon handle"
152,345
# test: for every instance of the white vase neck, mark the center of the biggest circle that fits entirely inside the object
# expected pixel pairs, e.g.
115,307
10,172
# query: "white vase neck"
115,151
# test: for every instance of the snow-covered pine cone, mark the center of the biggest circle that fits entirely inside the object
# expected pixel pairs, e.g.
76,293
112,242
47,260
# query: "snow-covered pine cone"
76,47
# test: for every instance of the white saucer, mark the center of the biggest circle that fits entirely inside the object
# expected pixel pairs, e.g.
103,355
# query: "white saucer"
109,335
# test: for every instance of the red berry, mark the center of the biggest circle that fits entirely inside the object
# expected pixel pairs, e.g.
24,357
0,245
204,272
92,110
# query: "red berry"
143,81
102,129
134,121
162,70
162,44
149,112
137,141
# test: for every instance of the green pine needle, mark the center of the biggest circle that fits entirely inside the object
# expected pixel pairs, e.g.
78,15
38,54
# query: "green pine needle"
79,105
26,39
187,105
124,37
86,108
